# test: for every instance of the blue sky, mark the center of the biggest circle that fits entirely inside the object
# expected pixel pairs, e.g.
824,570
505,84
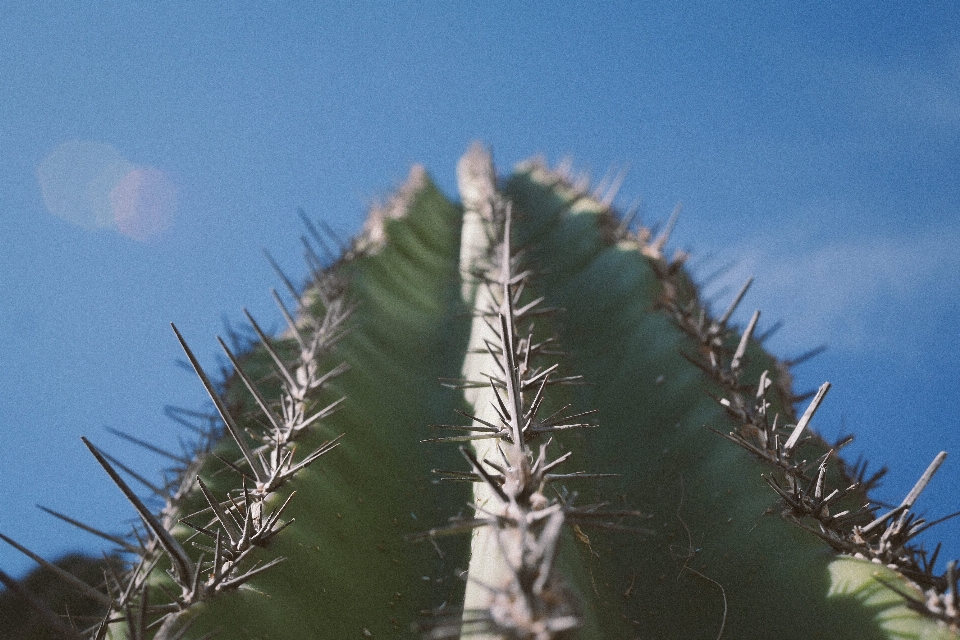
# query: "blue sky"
816,147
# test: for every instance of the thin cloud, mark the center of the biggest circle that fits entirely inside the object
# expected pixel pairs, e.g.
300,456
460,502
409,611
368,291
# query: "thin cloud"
852,294
924,98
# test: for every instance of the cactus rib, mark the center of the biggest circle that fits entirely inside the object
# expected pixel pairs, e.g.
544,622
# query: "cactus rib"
855,530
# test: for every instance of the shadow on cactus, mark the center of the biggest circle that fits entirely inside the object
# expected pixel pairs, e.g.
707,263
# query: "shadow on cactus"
506,417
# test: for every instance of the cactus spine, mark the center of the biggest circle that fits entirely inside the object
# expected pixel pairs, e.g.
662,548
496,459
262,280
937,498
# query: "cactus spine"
435,290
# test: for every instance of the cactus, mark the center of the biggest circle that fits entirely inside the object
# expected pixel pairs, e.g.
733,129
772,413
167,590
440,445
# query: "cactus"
509,417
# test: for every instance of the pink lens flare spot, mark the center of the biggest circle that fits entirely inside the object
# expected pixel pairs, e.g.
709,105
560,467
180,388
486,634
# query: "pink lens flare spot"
143,202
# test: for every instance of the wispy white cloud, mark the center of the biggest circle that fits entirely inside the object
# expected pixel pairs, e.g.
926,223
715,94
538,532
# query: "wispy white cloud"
852,294
923,97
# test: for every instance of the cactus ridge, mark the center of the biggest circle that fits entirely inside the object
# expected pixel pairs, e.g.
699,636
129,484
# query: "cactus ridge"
821,495
239,524
829,502
519,274
518,523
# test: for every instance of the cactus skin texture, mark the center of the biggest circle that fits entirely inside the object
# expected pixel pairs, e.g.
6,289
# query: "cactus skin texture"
670,532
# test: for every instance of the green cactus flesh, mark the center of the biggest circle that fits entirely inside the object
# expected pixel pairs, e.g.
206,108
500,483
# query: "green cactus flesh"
676,536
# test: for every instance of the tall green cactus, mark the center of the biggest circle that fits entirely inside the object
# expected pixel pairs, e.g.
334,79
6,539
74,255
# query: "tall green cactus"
602,460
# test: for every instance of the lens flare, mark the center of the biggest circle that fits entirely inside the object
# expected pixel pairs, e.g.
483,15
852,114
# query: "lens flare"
75,182
143,203
90,184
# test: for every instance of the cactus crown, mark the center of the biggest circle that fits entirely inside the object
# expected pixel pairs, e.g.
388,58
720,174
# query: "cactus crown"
543,308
